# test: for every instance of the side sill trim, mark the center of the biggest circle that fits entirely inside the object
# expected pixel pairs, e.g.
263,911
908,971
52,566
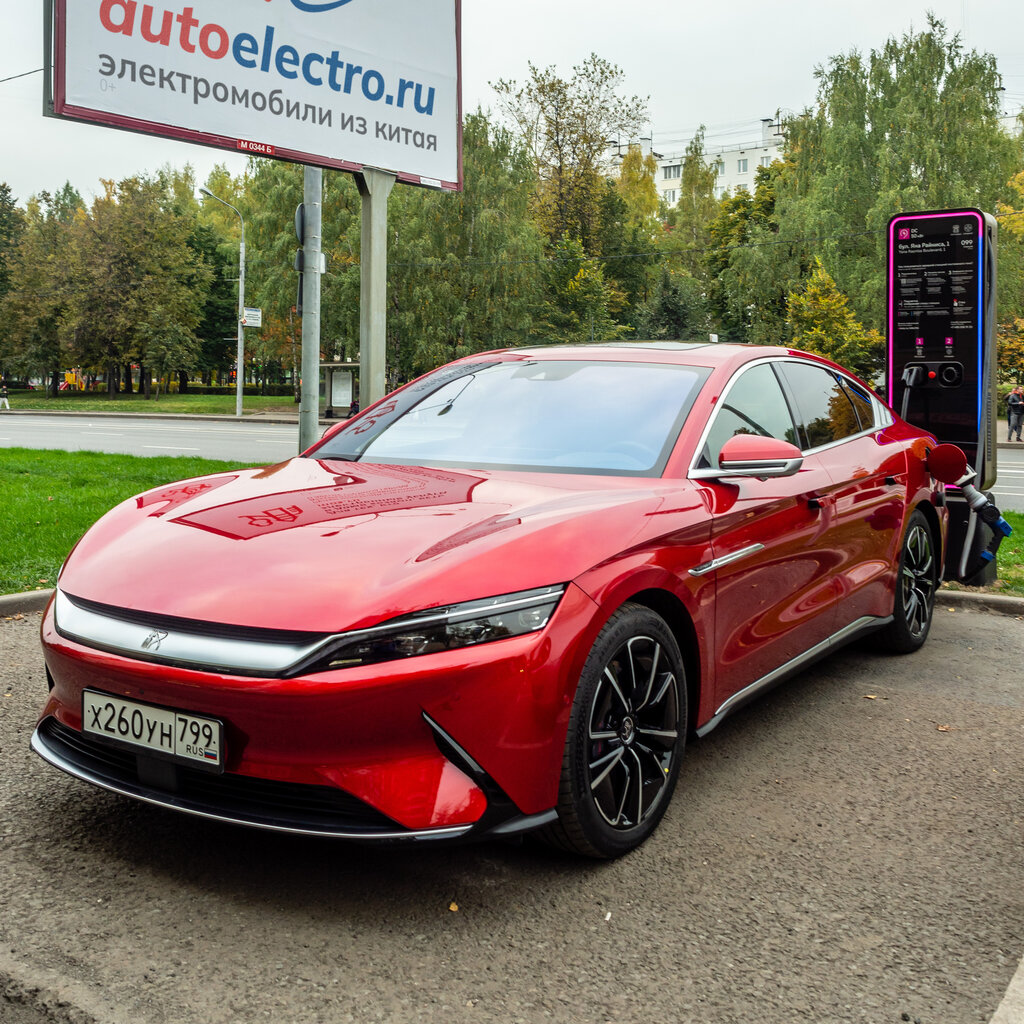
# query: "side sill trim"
169,801
865,624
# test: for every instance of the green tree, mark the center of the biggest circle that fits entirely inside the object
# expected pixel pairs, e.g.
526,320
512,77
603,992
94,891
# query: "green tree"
823,322
11,227
566,126
39,285
129,258
915,126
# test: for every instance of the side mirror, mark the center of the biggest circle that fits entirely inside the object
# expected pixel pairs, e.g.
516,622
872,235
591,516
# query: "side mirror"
947,463
750,455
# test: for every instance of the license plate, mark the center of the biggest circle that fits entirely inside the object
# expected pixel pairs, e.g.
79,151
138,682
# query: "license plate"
178,735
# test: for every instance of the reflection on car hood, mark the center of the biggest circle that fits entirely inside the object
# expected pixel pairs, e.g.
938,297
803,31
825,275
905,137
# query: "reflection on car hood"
328,546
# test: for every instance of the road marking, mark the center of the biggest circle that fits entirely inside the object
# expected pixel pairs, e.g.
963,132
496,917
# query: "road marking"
171,447
1011,1009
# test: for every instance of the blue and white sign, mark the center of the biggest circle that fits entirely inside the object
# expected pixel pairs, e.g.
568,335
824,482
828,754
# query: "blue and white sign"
336,83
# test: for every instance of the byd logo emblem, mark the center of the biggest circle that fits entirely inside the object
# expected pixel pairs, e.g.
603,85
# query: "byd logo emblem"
315,6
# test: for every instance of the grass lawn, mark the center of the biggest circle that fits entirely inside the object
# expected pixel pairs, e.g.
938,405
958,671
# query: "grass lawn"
198,405
51,498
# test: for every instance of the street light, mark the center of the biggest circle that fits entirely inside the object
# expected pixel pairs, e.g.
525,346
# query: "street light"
240,370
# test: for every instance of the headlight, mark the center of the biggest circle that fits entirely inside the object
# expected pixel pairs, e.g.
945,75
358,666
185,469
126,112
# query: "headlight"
445,629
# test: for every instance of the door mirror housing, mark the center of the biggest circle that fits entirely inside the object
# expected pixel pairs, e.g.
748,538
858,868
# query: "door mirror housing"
750,455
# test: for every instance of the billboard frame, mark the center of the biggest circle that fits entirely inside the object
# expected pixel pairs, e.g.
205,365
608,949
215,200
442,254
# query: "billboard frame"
55,105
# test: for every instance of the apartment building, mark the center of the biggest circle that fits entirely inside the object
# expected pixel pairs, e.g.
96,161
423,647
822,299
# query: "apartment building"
735,164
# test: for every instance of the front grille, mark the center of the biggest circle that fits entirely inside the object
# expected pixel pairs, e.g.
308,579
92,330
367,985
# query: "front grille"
265,803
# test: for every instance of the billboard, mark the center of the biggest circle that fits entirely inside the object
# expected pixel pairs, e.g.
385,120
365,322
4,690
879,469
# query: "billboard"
333,83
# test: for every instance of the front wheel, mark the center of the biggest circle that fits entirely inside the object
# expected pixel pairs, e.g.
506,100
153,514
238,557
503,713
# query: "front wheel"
626,735
916,585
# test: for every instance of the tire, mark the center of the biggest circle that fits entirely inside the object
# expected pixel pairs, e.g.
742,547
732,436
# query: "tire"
916,584
625,741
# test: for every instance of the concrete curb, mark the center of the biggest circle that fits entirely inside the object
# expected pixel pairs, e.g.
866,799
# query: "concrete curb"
22,604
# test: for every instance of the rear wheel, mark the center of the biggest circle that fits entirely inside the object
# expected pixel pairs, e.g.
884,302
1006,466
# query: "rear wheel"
626,736
916,586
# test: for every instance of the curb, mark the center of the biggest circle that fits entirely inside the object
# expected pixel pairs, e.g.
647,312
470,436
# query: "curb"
21,604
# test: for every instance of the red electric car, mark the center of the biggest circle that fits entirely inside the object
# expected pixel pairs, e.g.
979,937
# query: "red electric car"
496,601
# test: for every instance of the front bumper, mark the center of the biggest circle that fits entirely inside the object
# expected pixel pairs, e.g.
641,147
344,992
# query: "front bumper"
440,747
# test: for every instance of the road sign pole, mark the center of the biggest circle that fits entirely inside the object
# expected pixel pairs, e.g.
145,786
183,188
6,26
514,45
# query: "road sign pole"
312,244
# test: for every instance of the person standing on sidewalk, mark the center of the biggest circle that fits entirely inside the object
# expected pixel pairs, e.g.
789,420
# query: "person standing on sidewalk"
4,402
1015,412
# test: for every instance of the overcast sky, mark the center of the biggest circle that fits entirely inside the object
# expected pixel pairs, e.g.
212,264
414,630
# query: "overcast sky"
726,65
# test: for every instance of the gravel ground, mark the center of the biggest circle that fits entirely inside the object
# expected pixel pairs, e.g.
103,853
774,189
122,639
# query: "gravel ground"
847,849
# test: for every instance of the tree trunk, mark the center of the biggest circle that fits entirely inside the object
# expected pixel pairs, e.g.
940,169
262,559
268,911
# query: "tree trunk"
113,379
182,382
145,380
54,388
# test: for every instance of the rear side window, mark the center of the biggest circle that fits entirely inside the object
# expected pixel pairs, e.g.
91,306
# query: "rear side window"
825,409
862,403
753,404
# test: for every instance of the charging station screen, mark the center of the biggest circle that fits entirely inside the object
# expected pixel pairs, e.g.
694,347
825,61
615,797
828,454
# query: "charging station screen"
936,294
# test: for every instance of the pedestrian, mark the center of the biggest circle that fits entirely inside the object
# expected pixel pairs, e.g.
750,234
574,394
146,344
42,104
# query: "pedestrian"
1015,412
4,402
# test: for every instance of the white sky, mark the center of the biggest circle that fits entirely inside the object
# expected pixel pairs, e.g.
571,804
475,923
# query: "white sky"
725,64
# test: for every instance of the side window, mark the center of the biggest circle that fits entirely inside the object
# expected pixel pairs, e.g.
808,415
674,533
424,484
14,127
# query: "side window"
862,403
753,404
825,409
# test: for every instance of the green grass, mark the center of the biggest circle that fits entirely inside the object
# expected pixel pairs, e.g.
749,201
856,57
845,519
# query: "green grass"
51,498
198,405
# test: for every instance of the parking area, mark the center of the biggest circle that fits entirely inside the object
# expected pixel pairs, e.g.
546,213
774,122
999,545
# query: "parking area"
848,848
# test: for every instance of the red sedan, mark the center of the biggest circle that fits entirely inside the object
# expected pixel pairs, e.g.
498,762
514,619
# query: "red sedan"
496,601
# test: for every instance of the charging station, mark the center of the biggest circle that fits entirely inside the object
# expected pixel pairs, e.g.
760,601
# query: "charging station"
942,353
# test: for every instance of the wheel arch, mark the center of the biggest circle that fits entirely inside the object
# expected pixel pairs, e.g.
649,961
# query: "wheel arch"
675,615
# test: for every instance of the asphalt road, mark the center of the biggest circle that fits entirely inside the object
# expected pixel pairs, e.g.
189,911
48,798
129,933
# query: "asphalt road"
243,441
847,849
1009,489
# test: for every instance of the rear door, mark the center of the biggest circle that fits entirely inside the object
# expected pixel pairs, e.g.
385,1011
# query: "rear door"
841,426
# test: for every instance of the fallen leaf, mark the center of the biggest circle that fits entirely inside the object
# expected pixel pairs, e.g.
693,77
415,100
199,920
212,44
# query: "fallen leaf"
870,696
945,728
453,907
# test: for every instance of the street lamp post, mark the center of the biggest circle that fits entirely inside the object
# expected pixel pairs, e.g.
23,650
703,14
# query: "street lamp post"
240,362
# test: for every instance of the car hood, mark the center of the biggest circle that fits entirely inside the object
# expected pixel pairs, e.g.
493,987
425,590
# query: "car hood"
329,546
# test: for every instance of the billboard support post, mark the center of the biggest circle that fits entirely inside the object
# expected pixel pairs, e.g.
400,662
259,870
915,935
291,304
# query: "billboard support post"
374,186
312,244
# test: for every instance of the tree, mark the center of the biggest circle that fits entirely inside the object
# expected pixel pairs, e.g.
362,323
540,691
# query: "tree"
34,308
915,126
566,125
130,259
823,322
11,227
695,210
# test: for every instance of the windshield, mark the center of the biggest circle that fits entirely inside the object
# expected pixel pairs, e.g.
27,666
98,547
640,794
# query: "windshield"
568,416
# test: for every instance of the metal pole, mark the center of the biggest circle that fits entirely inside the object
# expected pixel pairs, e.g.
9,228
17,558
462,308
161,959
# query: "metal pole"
375,187
240,355
312,244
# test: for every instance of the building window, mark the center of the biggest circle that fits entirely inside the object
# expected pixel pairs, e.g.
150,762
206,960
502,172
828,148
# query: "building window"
741,166
673,171
670,196
720,167
766,161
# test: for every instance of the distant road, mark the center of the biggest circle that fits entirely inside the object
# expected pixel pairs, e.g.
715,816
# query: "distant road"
1009,488
241,441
